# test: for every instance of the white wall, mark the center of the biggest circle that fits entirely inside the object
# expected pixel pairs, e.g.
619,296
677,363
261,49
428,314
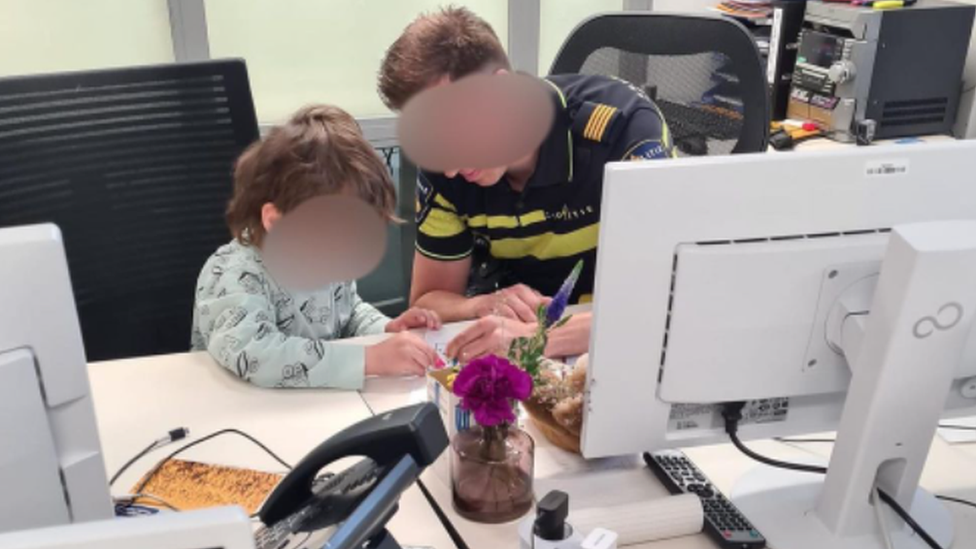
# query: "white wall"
683,5
305,51
57,35
559,18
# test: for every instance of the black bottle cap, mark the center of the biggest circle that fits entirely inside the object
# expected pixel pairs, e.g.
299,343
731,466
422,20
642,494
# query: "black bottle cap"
551,513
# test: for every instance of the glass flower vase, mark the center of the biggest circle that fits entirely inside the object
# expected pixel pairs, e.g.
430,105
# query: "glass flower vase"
492,473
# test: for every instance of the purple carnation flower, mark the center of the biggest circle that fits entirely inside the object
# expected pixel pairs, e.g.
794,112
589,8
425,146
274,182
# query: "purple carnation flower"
558,304
487,386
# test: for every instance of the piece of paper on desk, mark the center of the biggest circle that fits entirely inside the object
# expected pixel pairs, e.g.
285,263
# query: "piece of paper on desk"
959,436
438,339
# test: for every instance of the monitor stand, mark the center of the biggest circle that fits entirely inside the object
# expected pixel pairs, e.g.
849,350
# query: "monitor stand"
33,495
903,357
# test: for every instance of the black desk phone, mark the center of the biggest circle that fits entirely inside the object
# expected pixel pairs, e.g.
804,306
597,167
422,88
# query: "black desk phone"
351,509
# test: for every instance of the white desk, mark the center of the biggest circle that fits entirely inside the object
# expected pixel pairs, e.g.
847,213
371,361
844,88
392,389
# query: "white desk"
951,470
140,400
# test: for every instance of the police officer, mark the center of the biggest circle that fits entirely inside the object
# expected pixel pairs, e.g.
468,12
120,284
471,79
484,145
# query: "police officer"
531,220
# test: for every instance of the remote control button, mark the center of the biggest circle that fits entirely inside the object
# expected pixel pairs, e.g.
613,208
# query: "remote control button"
727,534
753,533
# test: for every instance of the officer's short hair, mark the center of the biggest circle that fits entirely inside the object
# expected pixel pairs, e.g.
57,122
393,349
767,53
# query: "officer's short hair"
452,42
319,151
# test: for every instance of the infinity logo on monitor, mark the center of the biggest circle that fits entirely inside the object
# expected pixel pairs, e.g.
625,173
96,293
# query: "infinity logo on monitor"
927,326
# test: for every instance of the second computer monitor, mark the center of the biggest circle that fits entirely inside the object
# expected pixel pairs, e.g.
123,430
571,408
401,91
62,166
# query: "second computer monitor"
51,466
716,278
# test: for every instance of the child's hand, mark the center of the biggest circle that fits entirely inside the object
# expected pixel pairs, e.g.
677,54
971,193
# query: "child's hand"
404,354
415,318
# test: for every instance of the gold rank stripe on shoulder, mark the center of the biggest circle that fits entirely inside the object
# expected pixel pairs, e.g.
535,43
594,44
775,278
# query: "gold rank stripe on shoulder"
596,126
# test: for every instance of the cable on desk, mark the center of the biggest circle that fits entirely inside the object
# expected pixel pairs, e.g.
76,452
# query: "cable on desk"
172,436
152,473
816,440
952,427
791,440
129,463
957,500
130,499
441,516
882,522
908,519
732,413
445,521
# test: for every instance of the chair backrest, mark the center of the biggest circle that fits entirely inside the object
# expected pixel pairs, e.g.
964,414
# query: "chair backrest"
135,166
704,72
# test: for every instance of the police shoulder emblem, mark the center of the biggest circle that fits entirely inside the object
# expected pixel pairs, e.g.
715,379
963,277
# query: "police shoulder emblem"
648,149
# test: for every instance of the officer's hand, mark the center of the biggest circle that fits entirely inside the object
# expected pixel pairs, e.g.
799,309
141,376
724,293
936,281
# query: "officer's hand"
518,302
489,335
415,318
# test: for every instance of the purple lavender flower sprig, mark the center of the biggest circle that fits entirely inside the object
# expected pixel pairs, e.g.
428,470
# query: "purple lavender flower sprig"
528,352
556,308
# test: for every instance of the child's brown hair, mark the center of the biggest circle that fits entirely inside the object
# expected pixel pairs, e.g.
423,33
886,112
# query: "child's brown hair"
320,151
452,42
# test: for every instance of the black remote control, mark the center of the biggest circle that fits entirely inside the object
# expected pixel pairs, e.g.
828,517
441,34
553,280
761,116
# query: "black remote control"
723,522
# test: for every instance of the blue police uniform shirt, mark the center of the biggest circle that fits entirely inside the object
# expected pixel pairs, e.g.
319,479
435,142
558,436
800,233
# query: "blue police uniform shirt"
540,233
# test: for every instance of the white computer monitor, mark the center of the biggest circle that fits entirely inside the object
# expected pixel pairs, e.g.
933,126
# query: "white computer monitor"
218,528
720,280
51,467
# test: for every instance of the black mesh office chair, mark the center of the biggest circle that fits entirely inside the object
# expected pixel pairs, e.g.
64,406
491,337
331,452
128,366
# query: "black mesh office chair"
135,167
705,73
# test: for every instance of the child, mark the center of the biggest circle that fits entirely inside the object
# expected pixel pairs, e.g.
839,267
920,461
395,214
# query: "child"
273,337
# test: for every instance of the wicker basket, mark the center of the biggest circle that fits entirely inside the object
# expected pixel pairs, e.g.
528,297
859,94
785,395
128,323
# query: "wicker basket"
541,416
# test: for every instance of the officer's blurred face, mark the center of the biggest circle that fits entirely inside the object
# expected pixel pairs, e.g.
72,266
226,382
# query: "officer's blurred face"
485,177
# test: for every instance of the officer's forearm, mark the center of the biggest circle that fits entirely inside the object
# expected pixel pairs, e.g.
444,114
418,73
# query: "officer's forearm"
449,306
573,339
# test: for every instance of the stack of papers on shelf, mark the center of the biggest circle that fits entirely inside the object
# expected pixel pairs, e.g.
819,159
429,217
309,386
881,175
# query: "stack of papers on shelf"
752,10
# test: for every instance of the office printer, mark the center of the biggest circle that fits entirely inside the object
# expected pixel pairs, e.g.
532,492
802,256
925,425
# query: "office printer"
864,73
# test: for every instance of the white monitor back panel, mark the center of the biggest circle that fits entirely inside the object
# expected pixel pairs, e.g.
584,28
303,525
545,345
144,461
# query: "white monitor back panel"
655,210
218,528
37,312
